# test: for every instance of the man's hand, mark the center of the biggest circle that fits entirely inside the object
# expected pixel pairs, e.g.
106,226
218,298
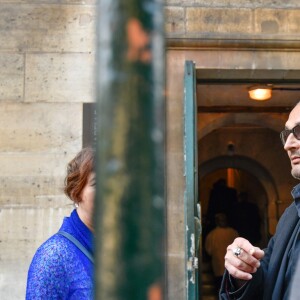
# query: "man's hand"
242,259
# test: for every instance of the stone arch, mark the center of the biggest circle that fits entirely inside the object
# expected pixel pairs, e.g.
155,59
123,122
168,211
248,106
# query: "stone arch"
253,167
274,122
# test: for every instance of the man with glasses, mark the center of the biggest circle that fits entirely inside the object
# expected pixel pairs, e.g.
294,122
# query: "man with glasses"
252,273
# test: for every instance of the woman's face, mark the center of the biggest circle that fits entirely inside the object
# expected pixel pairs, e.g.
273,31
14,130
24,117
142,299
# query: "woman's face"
86,205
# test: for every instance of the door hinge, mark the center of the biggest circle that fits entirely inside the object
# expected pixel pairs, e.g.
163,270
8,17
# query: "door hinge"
193,263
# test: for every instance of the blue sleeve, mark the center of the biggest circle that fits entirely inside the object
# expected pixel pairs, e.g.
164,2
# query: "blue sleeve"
47,273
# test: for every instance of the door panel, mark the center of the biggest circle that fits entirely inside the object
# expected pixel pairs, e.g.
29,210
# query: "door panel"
192,209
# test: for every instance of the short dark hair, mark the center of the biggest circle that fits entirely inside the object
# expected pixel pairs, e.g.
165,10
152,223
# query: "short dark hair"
78,171
221,220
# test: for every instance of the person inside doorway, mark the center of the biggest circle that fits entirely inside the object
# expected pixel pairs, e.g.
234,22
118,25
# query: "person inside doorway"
62,268
216,243
252,273
221,200
246,219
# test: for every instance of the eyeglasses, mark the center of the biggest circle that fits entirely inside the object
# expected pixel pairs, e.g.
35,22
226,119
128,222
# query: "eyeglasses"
284,134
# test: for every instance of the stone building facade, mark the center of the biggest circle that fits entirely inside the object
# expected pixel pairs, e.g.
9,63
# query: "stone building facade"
254,40
47,74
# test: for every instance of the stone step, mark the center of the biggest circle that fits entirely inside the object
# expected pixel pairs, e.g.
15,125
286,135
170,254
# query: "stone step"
207,278
209,297
208,289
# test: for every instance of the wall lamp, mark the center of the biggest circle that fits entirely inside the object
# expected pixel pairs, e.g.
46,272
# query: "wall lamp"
262,92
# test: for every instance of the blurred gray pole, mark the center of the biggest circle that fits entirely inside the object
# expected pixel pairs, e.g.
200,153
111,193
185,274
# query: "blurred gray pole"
130,200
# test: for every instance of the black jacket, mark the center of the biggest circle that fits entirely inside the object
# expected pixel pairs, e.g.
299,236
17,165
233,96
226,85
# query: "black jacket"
268,282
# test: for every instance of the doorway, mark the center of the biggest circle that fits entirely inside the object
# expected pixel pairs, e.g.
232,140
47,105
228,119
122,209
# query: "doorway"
234,135
238,139
248,189
248,215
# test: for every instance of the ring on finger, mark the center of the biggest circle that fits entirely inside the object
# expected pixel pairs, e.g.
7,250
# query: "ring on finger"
237,251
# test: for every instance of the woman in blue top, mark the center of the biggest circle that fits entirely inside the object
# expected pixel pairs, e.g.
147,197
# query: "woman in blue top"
61,269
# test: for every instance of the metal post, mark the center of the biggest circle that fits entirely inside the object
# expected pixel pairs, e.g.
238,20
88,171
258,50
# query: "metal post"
130,201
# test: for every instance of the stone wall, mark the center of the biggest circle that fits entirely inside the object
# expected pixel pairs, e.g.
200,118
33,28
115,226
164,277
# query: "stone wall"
46,74
236,19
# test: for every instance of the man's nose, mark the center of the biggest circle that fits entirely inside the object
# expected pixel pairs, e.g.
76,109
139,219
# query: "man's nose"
291,142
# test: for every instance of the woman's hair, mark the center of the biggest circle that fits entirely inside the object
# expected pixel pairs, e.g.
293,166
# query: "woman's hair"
78,171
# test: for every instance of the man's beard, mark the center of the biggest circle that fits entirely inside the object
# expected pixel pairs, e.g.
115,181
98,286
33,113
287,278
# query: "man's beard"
296,172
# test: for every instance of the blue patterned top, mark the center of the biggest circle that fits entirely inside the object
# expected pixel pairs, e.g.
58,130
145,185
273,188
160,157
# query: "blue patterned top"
59,270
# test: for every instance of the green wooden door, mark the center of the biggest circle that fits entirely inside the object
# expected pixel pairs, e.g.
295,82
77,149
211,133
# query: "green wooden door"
192,208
